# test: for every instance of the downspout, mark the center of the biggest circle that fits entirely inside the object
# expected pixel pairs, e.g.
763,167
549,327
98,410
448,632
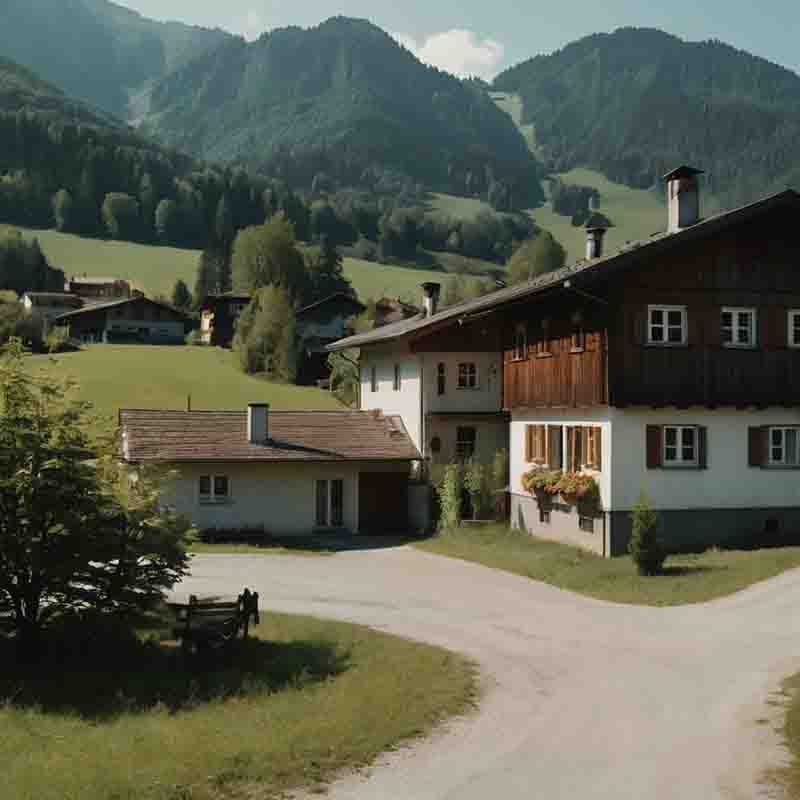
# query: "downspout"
422,422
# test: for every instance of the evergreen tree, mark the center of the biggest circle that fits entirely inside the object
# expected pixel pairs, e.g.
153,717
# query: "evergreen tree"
121,216
208,269
63,211
325,272
181,296
167,219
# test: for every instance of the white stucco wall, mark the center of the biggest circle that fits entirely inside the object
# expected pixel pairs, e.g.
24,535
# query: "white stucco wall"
488,396
281,497
491,435
406,401
728,483
600,417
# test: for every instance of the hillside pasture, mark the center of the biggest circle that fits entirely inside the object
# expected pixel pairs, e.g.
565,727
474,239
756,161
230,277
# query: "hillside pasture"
130,376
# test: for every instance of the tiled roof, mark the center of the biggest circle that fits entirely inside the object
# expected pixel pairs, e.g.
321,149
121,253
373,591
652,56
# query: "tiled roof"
91,307
295,436
629,255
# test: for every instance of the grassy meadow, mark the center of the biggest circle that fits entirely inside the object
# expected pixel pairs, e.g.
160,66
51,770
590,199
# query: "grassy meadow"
145,376
686,579
288,709
155,269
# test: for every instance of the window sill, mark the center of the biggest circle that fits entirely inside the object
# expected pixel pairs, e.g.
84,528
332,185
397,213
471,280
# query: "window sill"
681,467
781,467
667,345
544,355
577,350
226,502
729,346
468,388
517,360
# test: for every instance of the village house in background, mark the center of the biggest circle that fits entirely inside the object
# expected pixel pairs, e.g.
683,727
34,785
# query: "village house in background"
389,310
444,380
671,368
50,305
136,320
99,289
286,472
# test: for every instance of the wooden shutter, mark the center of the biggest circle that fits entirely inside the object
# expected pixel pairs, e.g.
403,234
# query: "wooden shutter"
555,435
702,447
758,444
570,448
586,447
597,450
528,444
655,435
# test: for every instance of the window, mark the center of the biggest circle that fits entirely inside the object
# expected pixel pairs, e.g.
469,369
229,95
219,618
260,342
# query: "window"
465,443
543,344
794,328
397,378
214,489
738,327
666,325
586,524
330,503
441,379
467,376
373,379
536,444
783,447
520,348
676,446
578,340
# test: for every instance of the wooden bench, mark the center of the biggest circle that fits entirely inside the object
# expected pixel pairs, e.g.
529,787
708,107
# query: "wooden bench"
211,624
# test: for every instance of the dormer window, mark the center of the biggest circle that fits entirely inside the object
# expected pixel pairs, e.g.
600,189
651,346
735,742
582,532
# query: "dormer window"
738,327
667,326
520,349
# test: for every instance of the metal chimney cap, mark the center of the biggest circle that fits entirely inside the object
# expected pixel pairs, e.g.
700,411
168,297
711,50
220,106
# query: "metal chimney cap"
682,172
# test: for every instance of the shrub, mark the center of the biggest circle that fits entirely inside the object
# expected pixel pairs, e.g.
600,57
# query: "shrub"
449,493
645,547
475,484
498,482
57,340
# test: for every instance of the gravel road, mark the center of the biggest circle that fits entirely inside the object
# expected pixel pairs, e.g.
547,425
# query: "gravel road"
583,699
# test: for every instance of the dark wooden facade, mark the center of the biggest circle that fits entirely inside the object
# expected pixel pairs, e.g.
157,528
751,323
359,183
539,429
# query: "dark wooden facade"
755,265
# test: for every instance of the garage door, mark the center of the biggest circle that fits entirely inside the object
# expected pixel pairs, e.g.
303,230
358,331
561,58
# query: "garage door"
383,502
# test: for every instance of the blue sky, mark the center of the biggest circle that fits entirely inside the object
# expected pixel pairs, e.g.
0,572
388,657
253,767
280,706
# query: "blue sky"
468,36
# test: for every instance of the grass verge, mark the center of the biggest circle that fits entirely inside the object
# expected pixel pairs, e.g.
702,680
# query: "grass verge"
306,699
271,549
687,578
787,777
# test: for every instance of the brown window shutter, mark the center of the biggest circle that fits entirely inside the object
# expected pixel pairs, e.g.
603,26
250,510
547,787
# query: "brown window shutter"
702,448
528,447
598,448
555,434
757,446
654,446
570,458
586,447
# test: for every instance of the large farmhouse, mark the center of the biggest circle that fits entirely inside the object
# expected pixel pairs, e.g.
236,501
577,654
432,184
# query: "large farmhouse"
671,368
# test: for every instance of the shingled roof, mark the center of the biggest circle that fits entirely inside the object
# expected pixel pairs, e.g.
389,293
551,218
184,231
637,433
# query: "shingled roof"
294,436
632,254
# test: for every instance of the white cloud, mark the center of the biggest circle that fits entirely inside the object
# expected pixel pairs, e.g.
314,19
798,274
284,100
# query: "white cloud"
251,26
459,51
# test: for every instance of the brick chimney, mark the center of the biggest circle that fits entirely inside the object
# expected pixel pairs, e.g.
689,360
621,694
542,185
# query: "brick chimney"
257,423
683,198
430,299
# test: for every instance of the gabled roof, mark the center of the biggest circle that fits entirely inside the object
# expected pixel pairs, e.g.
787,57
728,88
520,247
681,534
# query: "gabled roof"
631,255
295,436
88,309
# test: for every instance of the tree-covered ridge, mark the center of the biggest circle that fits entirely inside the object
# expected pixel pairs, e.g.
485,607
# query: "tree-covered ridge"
96,50
634,103
343,103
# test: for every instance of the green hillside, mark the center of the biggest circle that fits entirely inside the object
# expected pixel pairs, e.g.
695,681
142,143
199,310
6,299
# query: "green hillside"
155,269
96,50
362,110
637,102
113,377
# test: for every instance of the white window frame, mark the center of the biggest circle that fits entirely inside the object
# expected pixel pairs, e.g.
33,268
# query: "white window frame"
792,315
328,524
213,498
782,462
735,311
471,372
679,460
520,349
666,310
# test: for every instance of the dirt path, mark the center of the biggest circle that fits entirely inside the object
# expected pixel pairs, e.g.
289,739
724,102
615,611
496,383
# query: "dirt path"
583,699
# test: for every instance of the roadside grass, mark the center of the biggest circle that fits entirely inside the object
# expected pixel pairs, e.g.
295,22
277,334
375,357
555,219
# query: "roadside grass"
787,777
289,709
693,578
144,376
270,549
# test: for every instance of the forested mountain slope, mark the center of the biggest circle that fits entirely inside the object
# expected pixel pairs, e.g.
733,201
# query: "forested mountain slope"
344,104
95,50
634,103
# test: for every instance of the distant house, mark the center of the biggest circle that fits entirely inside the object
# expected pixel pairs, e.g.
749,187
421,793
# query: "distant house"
50,305
133,320
389,310
99,289
218,316
290,472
